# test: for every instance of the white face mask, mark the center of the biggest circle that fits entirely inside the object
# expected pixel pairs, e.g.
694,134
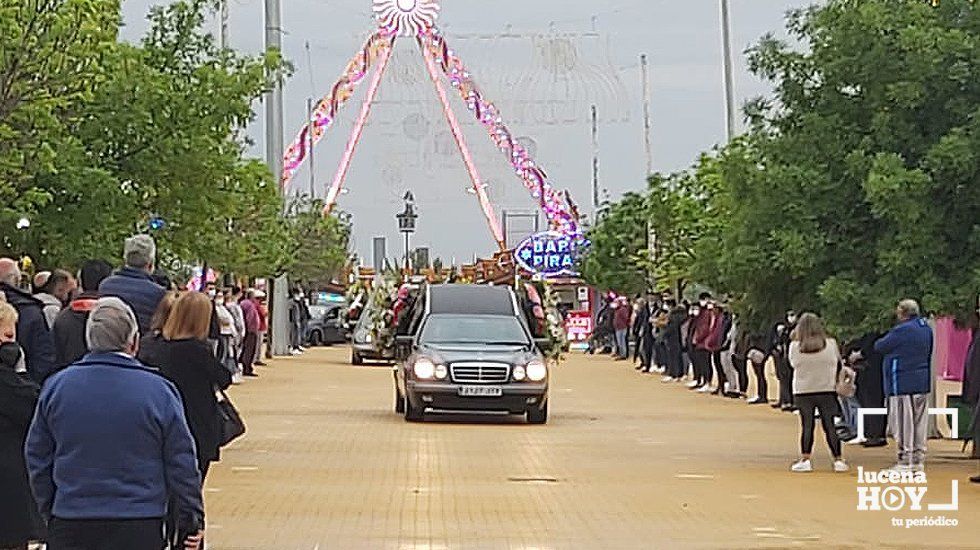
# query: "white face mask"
212,293
791,319
703,303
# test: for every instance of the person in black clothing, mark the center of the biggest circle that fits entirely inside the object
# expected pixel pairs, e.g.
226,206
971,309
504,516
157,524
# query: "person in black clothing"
971,392
640,329
182,354
18,397
674,342
779,340
69,327
756,345
870,387
33,333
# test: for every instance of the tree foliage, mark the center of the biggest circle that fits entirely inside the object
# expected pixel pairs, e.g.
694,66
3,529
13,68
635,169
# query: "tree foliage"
858,182
98,136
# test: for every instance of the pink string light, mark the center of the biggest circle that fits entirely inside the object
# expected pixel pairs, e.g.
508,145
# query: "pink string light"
355,136
326,110
464,150
560,215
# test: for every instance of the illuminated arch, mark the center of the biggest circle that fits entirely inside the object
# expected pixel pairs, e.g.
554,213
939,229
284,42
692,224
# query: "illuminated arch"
417,18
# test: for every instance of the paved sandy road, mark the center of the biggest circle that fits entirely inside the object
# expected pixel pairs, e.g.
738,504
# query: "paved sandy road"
625,462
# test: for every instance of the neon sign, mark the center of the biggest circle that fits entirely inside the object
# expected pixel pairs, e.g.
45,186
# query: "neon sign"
549,253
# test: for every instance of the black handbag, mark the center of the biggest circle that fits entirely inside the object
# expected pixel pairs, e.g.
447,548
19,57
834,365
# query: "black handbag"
232,426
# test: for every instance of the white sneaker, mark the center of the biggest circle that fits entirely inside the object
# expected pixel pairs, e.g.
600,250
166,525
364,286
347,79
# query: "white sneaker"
704,389
666,379
855,441
801,466
841,466
692,384
901,467
295,352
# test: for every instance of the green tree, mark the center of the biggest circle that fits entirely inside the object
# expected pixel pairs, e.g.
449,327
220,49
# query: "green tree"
616,258
52,56
158,133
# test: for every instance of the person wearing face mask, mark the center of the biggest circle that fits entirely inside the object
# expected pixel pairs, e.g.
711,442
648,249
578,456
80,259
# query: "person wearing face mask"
18,397
706,325
779,341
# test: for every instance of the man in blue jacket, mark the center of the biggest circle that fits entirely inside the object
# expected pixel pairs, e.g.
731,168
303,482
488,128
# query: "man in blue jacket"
109,447
134,283
33,333
907,373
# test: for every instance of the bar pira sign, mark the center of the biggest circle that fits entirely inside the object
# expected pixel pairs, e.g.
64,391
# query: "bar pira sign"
549,253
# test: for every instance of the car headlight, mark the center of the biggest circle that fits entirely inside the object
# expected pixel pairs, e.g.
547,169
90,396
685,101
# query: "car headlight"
536,371
424,368
441,372
519,373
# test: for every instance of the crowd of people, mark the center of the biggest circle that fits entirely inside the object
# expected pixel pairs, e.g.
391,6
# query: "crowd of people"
704,345
110,383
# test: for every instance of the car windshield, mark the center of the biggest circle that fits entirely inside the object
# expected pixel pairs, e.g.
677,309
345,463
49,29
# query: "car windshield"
318,312
473,329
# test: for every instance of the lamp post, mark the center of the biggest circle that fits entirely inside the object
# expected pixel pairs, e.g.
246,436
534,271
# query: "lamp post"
406,224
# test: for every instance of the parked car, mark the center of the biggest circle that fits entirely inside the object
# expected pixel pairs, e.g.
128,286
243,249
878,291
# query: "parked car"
468,348
326,326
362,344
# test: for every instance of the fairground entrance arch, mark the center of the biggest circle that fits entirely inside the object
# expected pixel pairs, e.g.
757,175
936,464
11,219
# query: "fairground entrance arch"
417,19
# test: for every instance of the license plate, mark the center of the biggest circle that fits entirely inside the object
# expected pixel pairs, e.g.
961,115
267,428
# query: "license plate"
480,391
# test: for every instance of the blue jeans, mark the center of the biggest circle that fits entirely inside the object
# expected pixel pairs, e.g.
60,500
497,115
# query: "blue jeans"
849,410
622,347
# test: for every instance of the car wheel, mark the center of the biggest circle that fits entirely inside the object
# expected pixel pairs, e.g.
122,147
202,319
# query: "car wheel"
356,359
538,416
399,402
411,413
316,339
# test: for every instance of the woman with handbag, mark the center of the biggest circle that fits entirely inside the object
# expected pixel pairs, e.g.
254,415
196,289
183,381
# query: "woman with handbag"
182,353
18,396
814,357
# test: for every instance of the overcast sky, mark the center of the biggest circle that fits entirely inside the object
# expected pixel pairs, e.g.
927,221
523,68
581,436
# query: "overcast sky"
544,63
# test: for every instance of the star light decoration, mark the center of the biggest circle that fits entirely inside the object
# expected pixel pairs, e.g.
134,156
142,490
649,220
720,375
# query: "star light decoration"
407,17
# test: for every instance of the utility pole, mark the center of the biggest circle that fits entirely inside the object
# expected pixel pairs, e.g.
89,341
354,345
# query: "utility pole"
279,334
648,146
223,17
595,159
273,107
726,40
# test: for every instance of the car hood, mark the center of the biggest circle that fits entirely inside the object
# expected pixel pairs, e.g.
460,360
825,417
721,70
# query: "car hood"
453,353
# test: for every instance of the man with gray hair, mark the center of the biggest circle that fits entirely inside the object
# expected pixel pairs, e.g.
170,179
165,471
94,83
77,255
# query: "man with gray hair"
134,283
109,447
33,333
907,373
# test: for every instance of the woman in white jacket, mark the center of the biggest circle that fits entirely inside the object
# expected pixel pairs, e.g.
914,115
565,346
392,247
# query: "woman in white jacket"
814,358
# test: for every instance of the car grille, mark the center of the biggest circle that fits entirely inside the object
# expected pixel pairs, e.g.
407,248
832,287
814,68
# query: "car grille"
480,373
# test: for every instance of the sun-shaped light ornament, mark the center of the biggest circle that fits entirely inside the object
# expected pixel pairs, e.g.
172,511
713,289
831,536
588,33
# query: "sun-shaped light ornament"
406,17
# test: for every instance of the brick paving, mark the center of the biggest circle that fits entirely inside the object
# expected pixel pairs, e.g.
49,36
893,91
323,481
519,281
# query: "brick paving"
624,462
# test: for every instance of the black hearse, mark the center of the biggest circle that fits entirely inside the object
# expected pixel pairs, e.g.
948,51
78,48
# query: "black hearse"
467,348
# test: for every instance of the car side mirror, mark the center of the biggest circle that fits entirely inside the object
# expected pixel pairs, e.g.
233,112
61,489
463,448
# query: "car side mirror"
542,343
403,345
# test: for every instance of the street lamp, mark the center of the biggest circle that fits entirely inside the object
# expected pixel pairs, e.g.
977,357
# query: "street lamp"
406,224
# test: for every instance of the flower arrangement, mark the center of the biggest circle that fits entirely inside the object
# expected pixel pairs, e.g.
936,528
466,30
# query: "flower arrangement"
382,317
554,324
